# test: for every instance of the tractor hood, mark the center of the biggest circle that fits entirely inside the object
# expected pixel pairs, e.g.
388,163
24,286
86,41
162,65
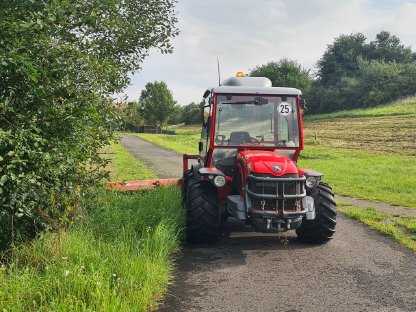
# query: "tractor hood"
267,162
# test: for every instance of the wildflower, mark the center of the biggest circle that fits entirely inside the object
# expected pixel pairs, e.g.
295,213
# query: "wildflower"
66,273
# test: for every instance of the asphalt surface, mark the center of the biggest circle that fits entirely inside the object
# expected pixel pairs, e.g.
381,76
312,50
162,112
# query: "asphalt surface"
165,164
359,270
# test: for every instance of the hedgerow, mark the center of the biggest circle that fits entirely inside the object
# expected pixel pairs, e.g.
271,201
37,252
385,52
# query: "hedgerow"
60,63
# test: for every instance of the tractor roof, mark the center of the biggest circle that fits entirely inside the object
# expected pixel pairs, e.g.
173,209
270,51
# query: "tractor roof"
252,85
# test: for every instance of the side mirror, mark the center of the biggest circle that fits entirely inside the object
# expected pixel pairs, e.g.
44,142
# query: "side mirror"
206,93
201,146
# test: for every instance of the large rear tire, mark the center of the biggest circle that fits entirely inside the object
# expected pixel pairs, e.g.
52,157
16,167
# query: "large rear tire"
322,228
202,213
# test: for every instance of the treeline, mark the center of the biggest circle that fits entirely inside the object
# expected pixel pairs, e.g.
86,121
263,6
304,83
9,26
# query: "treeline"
156,106
351,73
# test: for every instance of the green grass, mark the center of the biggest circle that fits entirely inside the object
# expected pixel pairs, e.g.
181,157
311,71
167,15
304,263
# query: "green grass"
379,177
402,107
399,228
118,259
124,166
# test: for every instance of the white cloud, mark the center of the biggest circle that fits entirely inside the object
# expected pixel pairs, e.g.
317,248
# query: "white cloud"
244,33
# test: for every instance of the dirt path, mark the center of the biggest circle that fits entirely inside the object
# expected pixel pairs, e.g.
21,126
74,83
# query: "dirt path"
359,270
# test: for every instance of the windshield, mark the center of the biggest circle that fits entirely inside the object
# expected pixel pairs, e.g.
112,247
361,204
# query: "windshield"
267,121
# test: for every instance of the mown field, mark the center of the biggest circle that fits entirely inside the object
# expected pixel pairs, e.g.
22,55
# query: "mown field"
386,130
116,256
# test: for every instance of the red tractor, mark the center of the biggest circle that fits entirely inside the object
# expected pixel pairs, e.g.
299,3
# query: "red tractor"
251,139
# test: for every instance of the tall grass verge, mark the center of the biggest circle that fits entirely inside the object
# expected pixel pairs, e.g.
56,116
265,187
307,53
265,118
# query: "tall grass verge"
117,258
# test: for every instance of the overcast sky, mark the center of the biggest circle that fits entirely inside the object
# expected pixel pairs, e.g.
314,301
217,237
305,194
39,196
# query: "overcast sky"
247,33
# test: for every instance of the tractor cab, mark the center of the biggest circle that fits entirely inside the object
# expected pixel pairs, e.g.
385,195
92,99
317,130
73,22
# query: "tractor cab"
251,139
243,118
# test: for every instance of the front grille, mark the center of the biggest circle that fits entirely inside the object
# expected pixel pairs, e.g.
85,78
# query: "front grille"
268,192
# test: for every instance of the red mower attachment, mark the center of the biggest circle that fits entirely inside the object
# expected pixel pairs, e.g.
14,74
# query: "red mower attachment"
140,185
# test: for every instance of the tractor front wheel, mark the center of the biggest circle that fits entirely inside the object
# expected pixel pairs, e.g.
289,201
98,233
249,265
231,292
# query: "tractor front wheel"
202,212
187,176
322,228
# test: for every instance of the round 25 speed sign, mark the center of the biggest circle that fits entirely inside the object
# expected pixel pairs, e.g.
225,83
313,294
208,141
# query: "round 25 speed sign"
284,108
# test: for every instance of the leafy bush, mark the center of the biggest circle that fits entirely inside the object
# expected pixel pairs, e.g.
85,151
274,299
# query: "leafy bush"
60,62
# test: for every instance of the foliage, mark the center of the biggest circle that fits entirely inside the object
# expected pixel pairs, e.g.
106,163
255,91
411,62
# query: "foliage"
341,58
59,63
158,103
119,258
131,116
353,73
284,73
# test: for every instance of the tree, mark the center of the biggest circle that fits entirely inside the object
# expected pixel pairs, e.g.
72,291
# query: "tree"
284,73
352,73
192,114
158,103
388,48
341,58
131,116
60,62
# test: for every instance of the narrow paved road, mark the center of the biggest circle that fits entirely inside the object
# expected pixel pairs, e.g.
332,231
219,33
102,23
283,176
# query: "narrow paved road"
360,270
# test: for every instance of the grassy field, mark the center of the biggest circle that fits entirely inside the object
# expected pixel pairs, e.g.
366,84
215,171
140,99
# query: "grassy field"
379,177
401,107
117,256
399,228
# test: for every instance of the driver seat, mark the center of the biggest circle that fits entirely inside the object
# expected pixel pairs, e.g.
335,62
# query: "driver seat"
239,137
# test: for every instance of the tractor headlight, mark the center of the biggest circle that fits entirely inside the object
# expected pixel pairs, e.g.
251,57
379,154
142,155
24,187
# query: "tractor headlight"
219,181
312,182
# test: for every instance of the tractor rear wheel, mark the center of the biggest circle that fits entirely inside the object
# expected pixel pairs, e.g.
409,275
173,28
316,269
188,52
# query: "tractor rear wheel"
322,228
202,212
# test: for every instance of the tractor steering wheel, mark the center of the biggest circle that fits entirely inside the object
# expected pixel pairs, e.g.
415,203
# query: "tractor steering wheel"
254,140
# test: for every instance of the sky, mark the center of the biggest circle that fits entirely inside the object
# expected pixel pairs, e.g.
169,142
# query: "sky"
245,33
